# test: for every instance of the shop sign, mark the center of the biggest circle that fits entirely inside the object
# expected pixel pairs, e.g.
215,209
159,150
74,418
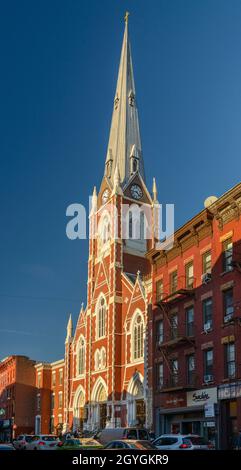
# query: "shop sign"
200,397
227,391
209,411
178,401
209,424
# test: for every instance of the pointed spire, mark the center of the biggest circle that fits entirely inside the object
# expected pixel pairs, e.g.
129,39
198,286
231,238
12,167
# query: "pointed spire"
94,200
116,181
69,334
124,131
154,190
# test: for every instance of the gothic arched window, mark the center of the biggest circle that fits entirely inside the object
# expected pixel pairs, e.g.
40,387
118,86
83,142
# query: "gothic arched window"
130,225
103,358
138,337
142,225
101,317
104,231
81,356
97,359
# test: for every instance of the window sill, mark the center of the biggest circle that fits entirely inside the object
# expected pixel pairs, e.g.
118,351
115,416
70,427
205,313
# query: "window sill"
135,361
226,272
228,379
207,332
229,323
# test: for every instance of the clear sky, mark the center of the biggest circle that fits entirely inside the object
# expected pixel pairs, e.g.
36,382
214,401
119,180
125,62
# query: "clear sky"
59,62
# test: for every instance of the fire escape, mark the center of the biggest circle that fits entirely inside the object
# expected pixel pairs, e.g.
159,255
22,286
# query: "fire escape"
176,334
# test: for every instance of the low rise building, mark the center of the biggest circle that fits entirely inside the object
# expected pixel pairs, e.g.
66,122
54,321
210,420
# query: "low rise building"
17,396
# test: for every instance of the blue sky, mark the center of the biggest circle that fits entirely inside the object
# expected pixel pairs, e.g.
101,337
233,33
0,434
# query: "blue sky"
59,63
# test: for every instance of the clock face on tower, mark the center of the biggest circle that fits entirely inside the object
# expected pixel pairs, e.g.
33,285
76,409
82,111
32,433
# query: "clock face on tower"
105,196
136,191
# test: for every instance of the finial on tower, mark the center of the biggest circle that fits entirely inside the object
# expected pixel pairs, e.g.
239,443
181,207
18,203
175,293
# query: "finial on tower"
154,190
126,17
116,182
69,329
94,200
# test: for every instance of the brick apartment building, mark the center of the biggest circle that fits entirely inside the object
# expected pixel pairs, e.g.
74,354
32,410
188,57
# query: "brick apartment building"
196,325
17,396
49,403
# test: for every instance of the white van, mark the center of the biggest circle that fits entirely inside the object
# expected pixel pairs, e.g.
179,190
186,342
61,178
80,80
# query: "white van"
111,434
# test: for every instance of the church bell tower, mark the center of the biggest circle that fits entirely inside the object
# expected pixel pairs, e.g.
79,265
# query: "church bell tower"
109,347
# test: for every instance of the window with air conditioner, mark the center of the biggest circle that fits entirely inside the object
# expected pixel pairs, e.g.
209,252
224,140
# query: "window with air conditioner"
208,365
206,278
207,307
207,262
228,305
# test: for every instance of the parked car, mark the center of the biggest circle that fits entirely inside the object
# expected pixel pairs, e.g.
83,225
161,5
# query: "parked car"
182,442
6,446
129,444
81,444
21,441
110,434
42,442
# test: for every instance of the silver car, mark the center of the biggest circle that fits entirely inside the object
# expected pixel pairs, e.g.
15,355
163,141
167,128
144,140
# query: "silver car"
182,442
43,442
21,442
6,446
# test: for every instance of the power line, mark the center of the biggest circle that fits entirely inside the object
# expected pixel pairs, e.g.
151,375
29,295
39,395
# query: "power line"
31,297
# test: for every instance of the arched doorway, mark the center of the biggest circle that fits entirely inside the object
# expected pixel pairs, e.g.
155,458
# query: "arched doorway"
99,404
136,406
79,403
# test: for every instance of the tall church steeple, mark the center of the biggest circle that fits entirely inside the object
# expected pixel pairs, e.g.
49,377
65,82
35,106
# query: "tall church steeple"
124,147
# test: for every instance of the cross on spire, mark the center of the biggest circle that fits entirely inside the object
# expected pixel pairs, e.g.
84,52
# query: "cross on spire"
126,17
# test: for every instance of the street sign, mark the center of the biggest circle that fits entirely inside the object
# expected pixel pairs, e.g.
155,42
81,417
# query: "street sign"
209,411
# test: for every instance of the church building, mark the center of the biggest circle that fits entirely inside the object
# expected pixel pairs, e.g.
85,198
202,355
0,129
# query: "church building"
106,357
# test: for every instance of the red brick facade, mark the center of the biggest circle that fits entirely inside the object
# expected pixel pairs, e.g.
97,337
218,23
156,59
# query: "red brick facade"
196,325
17,396
49,404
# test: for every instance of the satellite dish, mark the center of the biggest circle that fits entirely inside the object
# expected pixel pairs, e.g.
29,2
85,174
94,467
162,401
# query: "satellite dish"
209,201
